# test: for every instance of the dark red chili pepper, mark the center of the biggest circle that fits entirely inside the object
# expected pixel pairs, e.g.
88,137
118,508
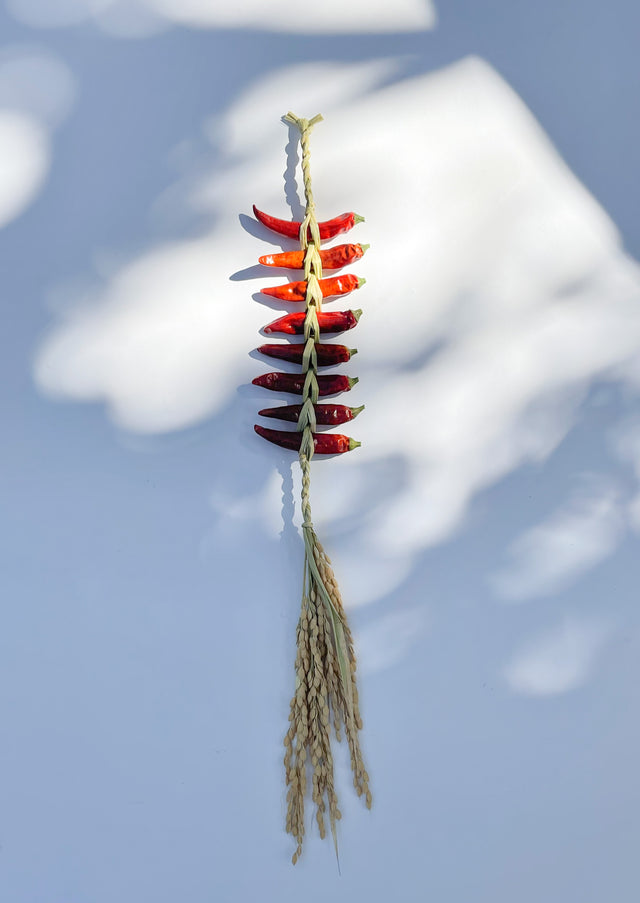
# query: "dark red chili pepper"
297,291
323,443
325,413
329,229
328,321
326,353
294,382
331,258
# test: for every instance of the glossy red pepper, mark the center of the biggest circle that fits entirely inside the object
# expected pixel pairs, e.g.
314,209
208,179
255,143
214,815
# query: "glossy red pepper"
331,258
327,354
323,443
328,229
325,413
328,321
297,291
294,382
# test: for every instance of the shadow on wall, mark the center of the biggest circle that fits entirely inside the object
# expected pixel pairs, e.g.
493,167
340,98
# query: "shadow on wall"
491,270
479,535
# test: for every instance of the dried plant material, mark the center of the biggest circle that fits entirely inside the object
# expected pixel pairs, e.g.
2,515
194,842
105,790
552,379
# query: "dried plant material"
325,660
326,690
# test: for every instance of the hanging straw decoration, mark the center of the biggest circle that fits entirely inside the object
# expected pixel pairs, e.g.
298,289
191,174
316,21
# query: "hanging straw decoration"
325,666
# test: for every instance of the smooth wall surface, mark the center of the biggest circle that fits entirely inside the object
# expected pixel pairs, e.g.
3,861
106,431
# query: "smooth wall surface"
484,535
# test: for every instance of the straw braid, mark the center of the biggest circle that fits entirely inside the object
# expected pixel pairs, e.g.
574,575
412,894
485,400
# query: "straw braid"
325,661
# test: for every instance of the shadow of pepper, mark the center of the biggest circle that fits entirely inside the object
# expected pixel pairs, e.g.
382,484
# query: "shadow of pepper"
291,192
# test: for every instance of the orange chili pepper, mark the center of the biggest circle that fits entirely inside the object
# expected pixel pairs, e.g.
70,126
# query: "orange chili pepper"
331,258
297,291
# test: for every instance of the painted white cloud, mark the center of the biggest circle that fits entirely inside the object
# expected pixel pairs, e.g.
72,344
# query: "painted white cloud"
388,639
574,539
625,442
158,348
25,152
130,19
497,293
328,17
53,13
559,660
36,93
236,513
634,513
138,18
37,84
120,18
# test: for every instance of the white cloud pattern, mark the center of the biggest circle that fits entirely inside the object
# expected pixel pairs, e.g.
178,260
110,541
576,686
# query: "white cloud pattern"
139,18
25,150
559,660
574,539
497,292
37,92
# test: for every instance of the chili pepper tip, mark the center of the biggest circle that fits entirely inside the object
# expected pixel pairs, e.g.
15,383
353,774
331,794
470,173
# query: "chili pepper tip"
361,282
357,313
354,411
357,219
353,444
353,380
364,248
352,351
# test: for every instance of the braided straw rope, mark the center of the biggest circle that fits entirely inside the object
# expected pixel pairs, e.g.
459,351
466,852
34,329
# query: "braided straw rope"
325,661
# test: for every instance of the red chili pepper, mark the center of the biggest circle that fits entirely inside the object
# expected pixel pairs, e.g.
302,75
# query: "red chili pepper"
328,321
326,353
323,443
297,291
329,229
294,382
331,258
325,413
